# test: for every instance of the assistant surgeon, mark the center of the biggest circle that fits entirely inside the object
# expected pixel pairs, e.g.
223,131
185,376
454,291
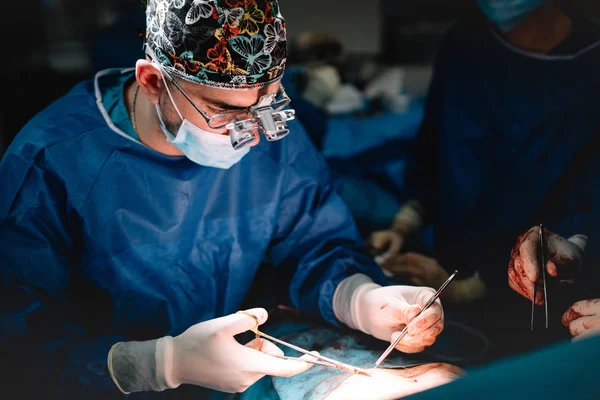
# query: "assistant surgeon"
509,141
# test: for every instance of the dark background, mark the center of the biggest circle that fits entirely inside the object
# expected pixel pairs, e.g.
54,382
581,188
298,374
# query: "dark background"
50,45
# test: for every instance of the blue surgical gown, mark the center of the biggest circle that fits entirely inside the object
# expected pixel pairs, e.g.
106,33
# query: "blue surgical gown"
105,240
509,141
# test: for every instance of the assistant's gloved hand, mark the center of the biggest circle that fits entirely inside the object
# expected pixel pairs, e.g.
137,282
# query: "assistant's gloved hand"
583,319
426,271
388,242
206,354
420,269
384,311
407,221
563,260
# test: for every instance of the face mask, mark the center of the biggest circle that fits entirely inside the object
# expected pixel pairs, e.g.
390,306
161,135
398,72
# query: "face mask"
200,146
506,14
203,147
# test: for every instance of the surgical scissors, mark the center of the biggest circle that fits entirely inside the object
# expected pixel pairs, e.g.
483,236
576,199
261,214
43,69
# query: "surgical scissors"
542,266
324,361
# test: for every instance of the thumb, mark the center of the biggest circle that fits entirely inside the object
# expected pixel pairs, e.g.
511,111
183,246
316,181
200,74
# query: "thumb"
403,312
395,245
379,240
411,312
242,321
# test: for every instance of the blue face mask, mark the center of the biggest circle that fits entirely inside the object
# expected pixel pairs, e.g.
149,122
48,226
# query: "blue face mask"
506,14
203,147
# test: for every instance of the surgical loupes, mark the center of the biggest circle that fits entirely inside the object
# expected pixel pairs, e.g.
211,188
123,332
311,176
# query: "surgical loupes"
271,123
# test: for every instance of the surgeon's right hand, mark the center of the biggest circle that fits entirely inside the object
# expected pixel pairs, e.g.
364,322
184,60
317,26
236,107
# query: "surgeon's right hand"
206,354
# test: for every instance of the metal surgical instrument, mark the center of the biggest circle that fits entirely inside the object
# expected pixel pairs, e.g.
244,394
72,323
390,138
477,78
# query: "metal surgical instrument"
542,266
328,361
405,330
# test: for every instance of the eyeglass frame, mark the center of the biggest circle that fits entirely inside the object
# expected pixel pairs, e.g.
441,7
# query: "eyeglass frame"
246,111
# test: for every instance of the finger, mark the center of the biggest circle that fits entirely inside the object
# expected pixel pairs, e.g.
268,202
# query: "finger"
409,349
569,316
410,344
379,240
587,307
265,364
527,263
426,337
403,313
520,285
584,324
426,320
240,322
587,335
309,357
551,268
518,280
264,346
395,244
562,266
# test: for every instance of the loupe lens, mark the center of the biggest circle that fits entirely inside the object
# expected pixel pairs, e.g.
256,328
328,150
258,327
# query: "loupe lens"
239,140
280,134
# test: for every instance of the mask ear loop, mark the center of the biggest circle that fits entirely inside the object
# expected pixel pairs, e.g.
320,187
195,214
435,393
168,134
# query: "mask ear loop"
162,75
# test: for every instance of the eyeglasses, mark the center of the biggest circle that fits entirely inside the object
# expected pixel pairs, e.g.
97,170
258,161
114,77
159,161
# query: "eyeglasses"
278,101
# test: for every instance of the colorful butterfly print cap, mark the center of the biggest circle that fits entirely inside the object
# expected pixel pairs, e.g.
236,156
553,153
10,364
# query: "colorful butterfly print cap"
235,44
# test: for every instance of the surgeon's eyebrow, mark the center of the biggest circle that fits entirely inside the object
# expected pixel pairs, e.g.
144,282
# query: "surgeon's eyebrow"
221,104
224,105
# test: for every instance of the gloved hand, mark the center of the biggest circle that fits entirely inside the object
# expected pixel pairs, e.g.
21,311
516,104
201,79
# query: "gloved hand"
384,311
421,270
563,260
206,354
583,319
425,271
388,242
407,220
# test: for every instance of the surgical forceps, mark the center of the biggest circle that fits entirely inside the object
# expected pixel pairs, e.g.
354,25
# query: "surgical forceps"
542,266
323,361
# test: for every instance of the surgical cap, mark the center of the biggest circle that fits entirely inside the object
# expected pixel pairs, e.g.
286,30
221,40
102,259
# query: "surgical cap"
235,44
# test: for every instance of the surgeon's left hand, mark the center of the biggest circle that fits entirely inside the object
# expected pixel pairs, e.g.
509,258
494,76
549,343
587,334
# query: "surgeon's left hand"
583,319
384,311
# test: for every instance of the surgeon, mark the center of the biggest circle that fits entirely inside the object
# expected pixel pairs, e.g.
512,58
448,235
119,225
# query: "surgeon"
508,141
137,209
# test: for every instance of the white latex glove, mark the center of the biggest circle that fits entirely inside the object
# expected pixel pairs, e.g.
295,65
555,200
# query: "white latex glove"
384,311
421,270
563,260
406,221
425,271
204,355
388,242
583,319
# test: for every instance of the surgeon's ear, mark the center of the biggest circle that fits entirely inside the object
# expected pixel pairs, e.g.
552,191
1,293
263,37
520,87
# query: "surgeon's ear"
149,78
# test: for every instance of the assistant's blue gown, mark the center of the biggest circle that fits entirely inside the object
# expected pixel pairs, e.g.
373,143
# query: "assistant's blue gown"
104,240
510,140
